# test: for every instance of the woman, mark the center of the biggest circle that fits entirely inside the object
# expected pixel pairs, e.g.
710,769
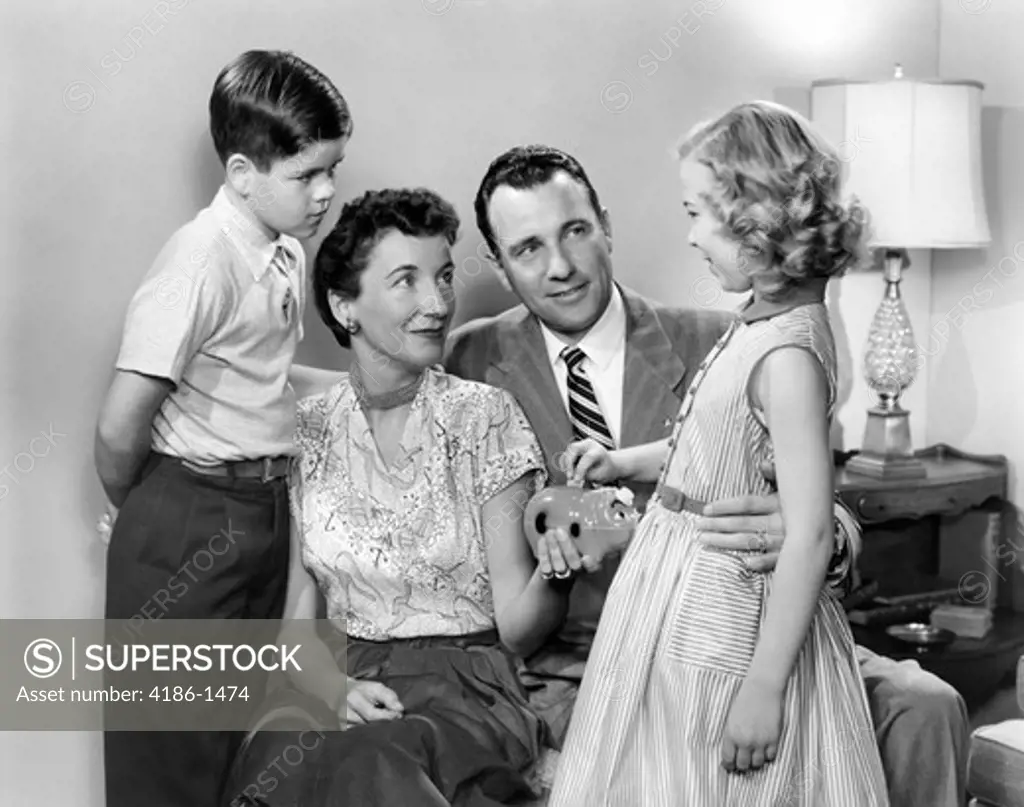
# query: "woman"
407,501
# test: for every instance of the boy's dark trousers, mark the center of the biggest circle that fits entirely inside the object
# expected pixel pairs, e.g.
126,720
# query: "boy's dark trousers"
187,545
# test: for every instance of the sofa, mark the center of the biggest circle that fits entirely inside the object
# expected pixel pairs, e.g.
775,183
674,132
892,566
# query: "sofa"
995,766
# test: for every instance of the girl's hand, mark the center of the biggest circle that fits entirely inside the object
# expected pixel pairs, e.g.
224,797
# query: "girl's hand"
753,728
588,460
368,701
557,556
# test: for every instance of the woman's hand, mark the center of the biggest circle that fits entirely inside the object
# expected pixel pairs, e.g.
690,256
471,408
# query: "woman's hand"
368,701
557,556
589,461
753,728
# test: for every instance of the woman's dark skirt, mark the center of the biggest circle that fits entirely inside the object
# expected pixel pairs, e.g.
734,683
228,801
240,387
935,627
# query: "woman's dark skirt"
467,736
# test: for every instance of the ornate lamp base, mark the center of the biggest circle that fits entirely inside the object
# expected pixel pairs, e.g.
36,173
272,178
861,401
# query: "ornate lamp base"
889,365
887,452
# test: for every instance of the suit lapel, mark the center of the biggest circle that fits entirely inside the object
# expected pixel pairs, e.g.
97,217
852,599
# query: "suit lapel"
524,368
652,389
653,385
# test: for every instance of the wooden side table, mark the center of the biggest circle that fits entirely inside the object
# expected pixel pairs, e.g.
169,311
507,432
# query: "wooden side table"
891,509
902,521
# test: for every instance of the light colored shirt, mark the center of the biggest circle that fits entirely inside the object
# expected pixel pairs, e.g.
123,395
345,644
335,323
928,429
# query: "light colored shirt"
605,348
398,551
220,315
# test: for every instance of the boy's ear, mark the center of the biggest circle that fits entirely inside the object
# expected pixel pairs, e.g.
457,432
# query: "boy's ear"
240,174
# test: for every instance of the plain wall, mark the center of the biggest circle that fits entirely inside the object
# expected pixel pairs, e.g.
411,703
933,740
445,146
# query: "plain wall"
107,152
977,329
977,319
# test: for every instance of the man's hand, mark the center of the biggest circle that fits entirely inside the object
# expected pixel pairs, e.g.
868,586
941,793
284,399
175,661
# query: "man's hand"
755,523
745,523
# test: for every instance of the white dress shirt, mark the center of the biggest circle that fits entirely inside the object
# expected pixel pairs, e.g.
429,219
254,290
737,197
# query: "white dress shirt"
605,346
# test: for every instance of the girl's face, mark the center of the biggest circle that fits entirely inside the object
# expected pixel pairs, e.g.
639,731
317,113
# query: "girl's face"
726,261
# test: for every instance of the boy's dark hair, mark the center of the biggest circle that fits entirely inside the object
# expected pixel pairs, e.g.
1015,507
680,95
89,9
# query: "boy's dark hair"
526,167
345,252
270,104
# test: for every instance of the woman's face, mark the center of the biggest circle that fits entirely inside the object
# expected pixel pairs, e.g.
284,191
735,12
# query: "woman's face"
405,304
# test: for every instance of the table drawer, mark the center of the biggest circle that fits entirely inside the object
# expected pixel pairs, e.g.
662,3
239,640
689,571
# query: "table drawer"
875,506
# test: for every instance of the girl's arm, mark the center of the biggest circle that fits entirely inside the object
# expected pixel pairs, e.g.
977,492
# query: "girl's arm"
792,391
527,608
589,460
642,463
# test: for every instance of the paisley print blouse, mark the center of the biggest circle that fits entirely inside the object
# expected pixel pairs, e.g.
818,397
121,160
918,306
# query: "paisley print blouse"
398,551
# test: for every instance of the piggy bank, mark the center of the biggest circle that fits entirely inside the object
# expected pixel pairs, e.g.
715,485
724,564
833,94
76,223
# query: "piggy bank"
600,521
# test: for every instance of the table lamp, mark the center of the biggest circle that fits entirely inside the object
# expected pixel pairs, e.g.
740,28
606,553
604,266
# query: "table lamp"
911,151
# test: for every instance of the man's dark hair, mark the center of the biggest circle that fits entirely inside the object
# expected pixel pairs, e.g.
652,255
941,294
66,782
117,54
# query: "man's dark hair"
345,252
526,167
270,104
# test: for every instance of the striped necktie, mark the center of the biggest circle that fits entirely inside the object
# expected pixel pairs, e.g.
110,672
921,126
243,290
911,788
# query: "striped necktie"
584,411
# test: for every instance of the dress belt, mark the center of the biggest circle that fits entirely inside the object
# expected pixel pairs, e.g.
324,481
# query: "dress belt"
675,500
264,469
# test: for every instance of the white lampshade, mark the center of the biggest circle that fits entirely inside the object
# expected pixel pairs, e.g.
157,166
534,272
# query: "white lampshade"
911,151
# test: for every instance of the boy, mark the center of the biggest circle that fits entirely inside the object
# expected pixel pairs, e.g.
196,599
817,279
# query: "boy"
195,433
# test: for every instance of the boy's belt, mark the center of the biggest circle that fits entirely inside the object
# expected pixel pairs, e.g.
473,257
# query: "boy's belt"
263,469
675,500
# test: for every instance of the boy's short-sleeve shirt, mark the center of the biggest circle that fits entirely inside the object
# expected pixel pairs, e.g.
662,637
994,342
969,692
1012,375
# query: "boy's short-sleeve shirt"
220,315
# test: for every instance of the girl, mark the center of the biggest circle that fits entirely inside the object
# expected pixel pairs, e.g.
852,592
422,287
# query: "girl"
708,685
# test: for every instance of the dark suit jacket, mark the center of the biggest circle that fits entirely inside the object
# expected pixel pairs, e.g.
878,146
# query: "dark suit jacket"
663,348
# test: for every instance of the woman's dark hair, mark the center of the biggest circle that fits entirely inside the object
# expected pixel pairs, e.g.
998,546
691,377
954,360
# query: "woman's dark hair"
525,167
270,105
345,252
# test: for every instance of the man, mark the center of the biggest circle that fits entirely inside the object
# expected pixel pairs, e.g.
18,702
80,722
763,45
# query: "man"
586,356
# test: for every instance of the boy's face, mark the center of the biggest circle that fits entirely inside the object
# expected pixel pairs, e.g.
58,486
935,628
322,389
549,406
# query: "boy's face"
293,197
722,254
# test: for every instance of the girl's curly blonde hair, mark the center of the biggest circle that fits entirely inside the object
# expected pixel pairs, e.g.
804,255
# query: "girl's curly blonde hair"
778,191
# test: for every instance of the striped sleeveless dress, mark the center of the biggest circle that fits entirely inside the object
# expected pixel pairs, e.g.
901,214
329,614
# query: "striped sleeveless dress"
681,621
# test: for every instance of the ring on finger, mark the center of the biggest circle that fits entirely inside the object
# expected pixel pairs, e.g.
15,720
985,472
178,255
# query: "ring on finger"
546,575
564,574
761,541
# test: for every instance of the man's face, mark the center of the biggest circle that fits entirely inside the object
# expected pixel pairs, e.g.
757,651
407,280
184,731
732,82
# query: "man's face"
555,250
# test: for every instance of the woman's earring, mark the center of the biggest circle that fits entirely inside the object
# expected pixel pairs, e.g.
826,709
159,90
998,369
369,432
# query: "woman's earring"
352,327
